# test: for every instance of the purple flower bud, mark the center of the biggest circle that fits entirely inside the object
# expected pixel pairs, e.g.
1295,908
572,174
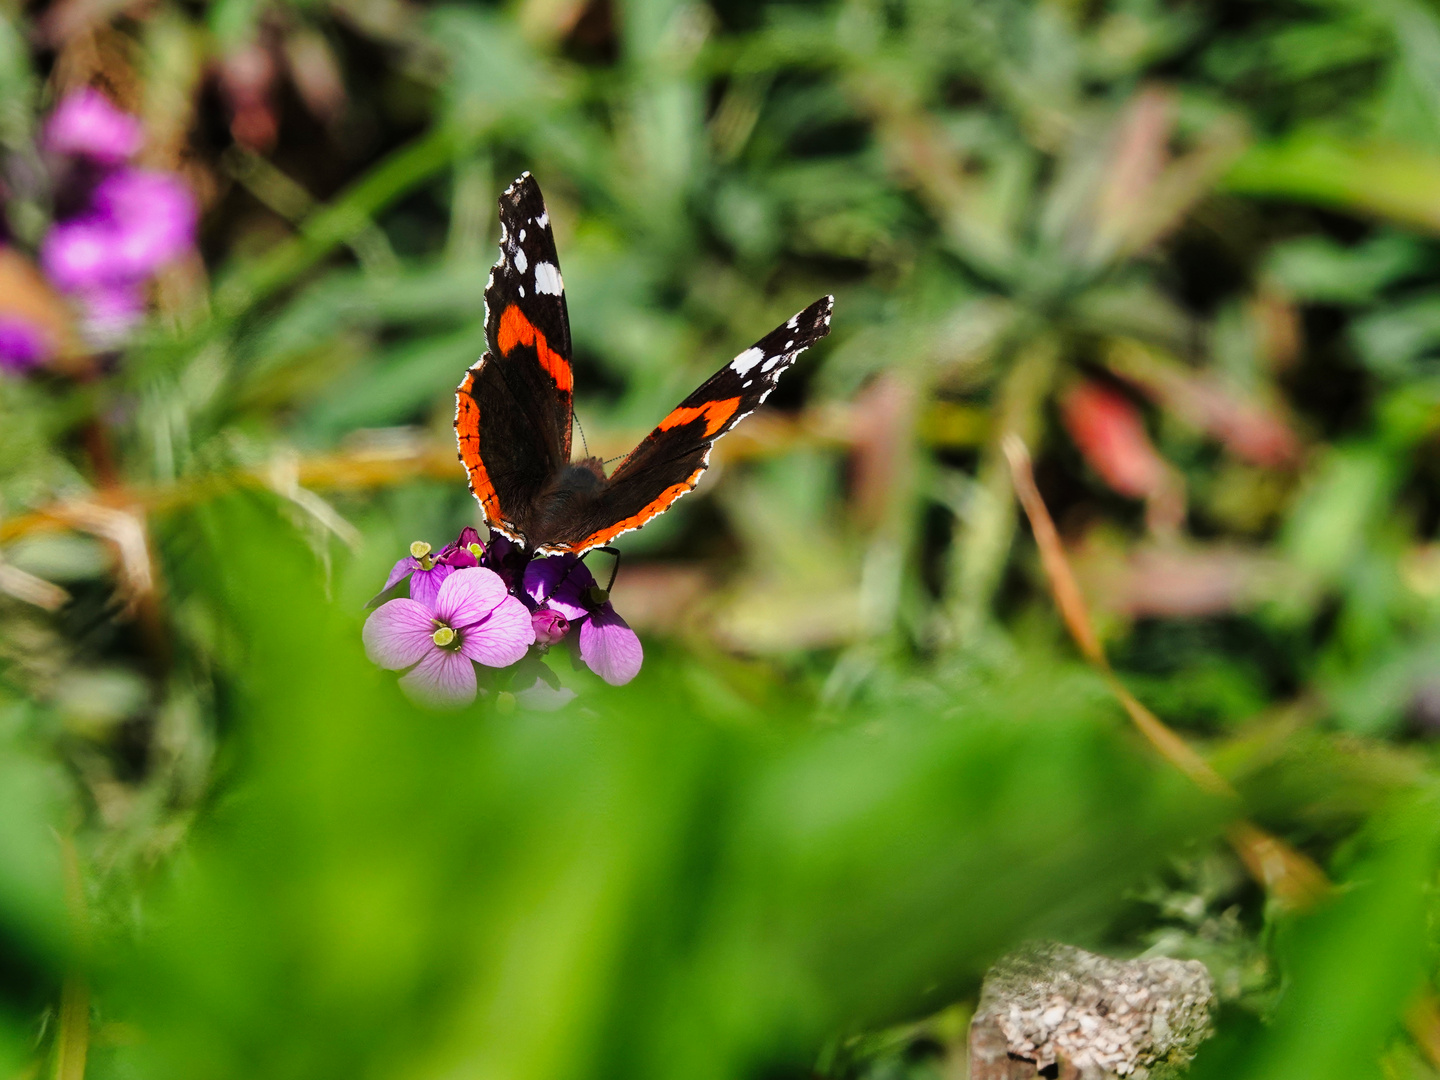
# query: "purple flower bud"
550,626
86,125
467,550
23,345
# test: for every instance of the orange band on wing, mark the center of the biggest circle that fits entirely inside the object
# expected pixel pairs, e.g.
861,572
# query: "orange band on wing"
634,521
467,432
715,413
516,329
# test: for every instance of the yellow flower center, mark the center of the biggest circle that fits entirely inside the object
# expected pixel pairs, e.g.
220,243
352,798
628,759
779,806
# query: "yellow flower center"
443,637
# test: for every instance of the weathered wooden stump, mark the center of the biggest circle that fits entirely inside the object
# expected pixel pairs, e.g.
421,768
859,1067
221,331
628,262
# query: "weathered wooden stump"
1079,1016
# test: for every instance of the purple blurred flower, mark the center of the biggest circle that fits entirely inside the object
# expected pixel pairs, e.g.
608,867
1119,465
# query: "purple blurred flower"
550,626
154,214
111,312
23,345
473,618
86,125
607,644
138,222
76,254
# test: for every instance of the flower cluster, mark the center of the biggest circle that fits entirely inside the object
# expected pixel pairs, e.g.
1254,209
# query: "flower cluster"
116,226
493,605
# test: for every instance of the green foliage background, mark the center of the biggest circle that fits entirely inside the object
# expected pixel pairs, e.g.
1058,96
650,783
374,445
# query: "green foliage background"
863,758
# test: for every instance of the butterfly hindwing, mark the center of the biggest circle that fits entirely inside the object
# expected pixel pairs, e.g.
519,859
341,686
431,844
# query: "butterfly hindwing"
668,463
514,408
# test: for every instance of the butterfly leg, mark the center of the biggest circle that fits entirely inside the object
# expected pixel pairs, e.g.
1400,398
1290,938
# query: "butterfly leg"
614,570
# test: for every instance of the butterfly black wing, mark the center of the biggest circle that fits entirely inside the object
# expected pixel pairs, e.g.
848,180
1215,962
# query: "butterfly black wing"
669,462
514,409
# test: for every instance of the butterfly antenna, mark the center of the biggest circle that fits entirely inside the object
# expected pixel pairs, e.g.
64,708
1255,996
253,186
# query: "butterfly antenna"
583,443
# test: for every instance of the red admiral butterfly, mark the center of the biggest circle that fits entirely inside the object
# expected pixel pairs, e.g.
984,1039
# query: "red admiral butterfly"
514,409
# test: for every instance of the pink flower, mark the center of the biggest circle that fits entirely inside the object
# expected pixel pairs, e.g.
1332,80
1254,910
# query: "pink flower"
607,644
473,620
23,345
86,125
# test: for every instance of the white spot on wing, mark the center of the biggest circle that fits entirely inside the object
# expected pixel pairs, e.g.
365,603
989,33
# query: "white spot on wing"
522,292
746,360
794,322
521,262
547,279
522,236
544,219
775,360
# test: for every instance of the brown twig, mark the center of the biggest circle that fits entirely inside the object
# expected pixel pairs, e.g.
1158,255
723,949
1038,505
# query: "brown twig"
1290,878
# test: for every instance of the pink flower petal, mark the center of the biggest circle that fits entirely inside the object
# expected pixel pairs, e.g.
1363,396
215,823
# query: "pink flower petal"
610,648
468,595
398,633
399,570
425,584
503,636
443,678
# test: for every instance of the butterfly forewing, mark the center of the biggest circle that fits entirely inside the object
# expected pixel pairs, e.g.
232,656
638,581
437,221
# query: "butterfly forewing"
669,462
514,408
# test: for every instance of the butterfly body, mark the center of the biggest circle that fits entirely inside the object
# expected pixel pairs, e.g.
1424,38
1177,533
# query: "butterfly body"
515,409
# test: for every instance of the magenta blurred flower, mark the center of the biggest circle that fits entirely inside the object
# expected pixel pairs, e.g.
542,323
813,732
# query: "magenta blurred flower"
86,125
607,644
154,215
75,254
550,626
473,618
138,222
23,344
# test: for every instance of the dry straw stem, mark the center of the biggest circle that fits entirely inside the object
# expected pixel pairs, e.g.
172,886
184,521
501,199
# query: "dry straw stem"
1290,878
764,435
